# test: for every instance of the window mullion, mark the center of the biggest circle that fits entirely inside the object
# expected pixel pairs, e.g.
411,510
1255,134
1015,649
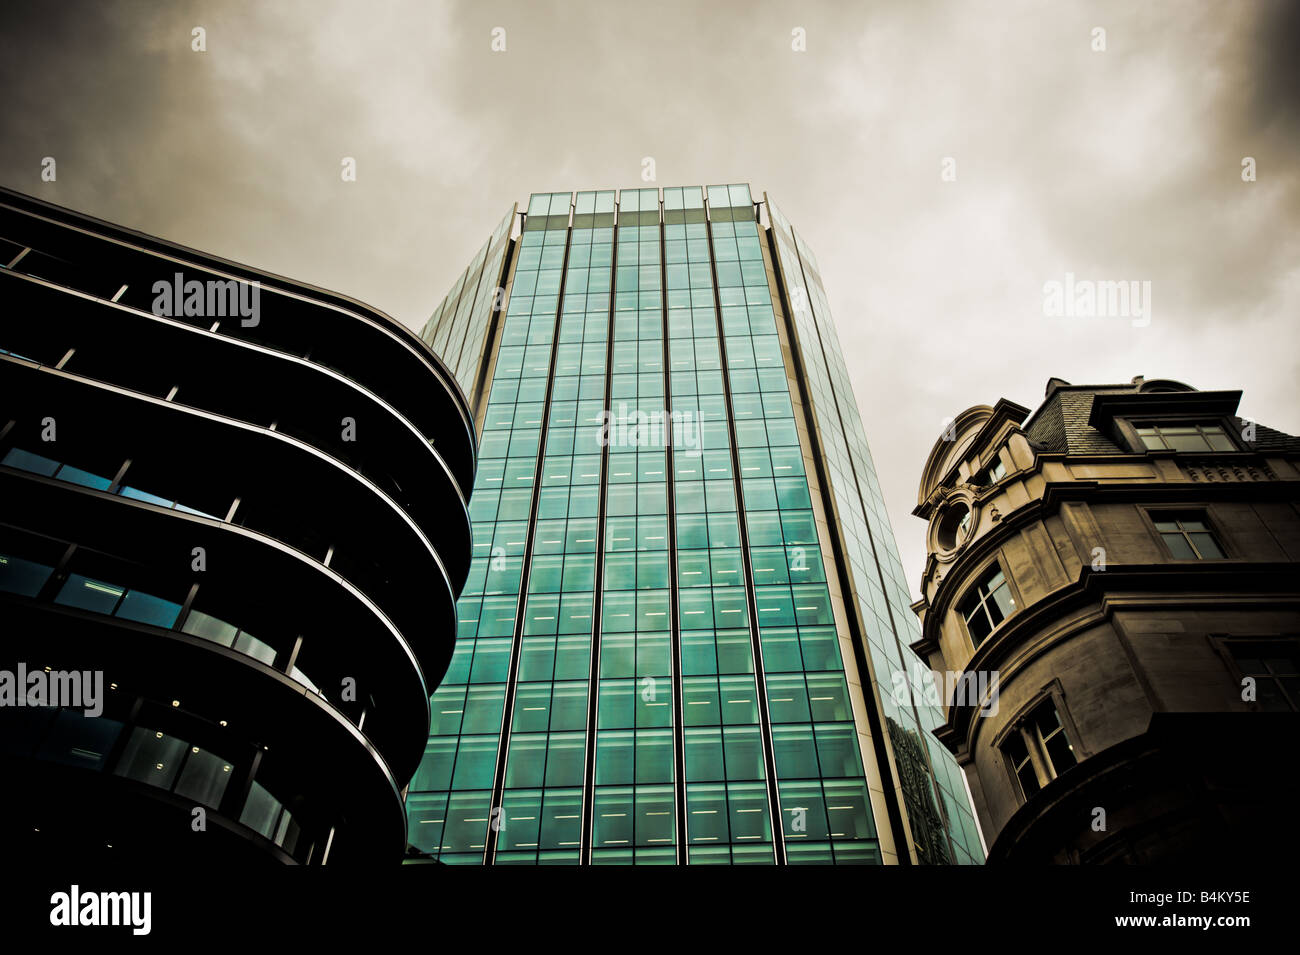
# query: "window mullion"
1037,754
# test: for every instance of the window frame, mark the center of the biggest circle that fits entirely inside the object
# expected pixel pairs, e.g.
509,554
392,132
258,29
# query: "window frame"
1129,429
1021,725
1017,736
984,476
985,573
1153,513
947,534
1223,642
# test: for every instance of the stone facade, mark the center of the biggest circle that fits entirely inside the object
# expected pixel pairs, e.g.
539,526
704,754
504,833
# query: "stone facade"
1120,569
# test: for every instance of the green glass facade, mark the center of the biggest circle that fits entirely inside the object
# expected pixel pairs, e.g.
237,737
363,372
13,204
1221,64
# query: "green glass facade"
938,807
678,637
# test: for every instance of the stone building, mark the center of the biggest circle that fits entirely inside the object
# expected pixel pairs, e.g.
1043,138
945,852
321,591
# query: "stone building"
1112,587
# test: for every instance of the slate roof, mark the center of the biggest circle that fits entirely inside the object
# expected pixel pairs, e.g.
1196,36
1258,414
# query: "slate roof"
1267,439
1060,425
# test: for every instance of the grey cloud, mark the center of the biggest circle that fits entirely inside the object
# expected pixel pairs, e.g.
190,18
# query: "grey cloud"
1123,164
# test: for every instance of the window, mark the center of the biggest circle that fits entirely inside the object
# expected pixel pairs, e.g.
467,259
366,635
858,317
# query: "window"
86,593
204,777
18,458
1037,748
987,605
990,475
1185,437
1274,665
25,577
35,463
1046,729
152,757
26,461
218,631
1017,753
264,813
1187,535
78,740
954,525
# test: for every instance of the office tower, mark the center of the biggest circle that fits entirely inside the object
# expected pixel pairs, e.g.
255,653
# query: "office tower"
232,532
1118,572
684,634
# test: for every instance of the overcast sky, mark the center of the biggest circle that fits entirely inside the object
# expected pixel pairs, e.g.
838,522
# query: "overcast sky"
1115,164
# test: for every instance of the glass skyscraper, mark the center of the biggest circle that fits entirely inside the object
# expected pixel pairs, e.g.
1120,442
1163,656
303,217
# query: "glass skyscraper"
681,631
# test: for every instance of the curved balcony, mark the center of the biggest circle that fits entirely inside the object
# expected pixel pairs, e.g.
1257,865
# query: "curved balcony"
110,262
101,341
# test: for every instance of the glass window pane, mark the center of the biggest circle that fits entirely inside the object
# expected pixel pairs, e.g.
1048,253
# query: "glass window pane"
152,757
23,577
204,778
75,739
26,461
1206,546
1178,546
262,811
146,608
255,648
84,478
209,628
88,594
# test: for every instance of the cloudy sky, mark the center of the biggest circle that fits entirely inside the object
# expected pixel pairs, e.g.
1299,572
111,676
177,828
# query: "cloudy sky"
1115,164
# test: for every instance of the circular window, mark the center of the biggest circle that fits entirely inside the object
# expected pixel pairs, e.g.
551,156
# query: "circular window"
954,525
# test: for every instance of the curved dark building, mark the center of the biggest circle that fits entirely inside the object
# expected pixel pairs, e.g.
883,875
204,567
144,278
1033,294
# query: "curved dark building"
233,529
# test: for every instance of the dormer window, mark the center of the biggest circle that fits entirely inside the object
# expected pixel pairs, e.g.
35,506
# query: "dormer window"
1184,437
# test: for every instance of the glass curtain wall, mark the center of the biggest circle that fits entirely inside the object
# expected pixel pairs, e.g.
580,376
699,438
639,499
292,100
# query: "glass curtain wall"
649,669
938,810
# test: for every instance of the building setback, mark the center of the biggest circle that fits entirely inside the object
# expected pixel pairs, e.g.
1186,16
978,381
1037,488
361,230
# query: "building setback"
233,528
684,636
1117,573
